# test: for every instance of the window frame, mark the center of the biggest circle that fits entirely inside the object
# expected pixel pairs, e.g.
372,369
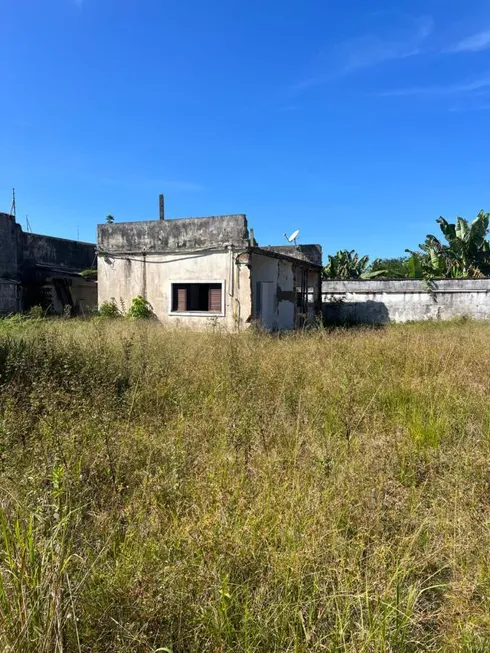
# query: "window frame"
208,314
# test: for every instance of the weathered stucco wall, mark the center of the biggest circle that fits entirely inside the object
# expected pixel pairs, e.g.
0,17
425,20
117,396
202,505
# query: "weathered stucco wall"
9,297
83,295
47,251
404,300
125,277
173,235
8,264
29,262
279,312
9,234
314,296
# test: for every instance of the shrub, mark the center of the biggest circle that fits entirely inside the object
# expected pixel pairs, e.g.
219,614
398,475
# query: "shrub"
36,312
140,308
109,309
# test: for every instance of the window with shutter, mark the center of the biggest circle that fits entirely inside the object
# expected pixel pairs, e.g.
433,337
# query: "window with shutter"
197,297
214,300
181,300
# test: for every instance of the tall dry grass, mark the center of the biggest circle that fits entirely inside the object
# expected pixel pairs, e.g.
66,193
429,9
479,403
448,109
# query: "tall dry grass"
173,491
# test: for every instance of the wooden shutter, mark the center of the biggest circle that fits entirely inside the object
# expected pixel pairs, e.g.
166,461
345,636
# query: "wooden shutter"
181,300
214,300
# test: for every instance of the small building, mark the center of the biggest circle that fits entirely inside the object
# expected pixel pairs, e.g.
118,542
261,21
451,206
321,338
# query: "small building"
197,272
38,270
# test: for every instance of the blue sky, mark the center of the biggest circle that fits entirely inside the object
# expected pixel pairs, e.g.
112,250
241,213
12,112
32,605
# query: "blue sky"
357,122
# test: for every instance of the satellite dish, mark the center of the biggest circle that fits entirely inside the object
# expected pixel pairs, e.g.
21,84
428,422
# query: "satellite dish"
292,238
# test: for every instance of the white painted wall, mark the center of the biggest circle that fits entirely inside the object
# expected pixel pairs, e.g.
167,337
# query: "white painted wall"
379,302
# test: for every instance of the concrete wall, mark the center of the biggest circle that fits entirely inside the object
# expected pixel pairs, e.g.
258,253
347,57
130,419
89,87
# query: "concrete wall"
47,251
83,295
284,277
28,262
404,300
266,269
9,297
126,276
173,235
9,232
9,265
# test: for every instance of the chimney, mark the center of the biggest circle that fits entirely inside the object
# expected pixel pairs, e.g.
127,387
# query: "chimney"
162,207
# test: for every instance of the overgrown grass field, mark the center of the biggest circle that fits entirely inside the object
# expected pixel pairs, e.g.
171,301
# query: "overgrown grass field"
174,491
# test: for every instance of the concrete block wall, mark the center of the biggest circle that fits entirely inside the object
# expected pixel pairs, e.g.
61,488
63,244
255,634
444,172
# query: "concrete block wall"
8,247
28,262
9,297
404,300
9,264
57,252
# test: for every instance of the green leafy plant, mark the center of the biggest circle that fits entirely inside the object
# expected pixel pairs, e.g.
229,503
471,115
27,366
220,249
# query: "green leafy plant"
89,274
347,264
36,312
392,268
109,309
466,252
140,308
109,219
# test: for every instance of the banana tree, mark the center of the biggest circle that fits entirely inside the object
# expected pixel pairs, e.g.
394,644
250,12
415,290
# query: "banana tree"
466,254
347,264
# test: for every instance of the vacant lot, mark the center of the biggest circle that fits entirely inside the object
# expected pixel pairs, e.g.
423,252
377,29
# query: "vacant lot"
323,491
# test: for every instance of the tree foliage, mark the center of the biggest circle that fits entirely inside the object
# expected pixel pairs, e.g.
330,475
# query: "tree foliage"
393,268
463,252
466,252
347,264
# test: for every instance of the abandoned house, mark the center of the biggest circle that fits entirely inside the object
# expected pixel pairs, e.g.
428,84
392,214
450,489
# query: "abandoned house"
201,271
43,271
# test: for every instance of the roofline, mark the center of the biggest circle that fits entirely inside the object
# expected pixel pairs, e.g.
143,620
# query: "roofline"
285,257
65,240
210,250
199,217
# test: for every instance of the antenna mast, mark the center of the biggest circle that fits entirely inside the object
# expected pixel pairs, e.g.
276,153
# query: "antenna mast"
12,206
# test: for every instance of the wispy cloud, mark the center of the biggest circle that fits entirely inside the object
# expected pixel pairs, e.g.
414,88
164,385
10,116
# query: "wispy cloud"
478,107
475,43
466,87
367,51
